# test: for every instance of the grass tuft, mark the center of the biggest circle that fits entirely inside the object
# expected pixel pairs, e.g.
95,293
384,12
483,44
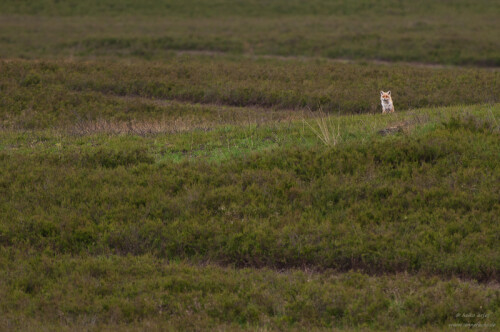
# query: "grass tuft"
326,130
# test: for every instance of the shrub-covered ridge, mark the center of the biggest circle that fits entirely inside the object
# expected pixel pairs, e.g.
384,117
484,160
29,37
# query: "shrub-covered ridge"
421,201
56,94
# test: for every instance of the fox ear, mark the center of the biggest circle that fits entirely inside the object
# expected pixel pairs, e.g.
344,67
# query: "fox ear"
389,92
381,92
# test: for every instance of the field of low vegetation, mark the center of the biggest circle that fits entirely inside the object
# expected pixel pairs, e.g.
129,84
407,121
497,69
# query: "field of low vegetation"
224,165
446,32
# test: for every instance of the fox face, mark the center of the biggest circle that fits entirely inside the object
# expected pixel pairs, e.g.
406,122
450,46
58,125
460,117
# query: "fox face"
385,96
386,99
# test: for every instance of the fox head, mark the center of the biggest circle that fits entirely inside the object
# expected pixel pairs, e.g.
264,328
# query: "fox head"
385,96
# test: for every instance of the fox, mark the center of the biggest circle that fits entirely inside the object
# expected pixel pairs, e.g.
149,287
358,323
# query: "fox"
387,106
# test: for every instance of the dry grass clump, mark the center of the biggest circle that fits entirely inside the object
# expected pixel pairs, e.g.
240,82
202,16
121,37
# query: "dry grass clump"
326,130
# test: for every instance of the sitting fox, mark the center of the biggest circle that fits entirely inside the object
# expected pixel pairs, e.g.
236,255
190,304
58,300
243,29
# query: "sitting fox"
387,106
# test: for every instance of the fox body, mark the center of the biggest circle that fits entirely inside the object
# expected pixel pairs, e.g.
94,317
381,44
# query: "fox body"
387,106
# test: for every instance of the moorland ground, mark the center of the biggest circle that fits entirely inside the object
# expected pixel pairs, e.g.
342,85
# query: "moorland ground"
162,166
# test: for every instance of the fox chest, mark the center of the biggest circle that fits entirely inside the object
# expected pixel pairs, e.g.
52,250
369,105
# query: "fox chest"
386,104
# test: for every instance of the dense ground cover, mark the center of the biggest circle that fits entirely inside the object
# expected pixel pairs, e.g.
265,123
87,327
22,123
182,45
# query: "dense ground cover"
44,94
162,165
127,231
424,201
459,32
127,209
258,8
40,292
